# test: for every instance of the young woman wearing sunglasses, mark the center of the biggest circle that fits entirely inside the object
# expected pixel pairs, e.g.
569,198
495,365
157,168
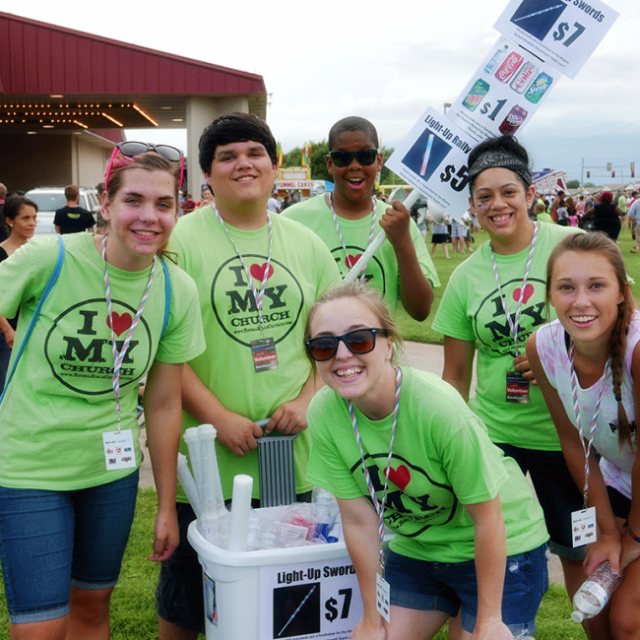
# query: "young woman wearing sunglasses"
400,443
69,452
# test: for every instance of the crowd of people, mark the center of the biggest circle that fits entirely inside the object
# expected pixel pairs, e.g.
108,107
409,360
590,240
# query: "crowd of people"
234,314
605,211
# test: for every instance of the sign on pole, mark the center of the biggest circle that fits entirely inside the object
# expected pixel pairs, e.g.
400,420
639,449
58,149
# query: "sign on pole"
542,38
563,33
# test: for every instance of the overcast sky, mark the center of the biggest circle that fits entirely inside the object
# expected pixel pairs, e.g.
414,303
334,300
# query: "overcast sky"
387,64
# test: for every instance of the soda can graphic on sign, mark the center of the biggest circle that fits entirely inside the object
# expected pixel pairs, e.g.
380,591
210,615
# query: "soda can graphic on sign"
496,59
523,78
514,119
538,88
509,66
474,97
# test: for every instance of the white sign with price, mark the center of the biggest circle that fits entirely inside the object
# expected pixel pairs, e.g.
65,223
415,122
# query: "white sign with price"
433,159
504,92
564,33
309,600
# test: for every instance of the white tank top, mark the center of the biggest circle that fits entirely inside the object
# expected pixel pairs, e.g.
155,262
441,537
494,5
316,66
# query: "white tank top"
616,463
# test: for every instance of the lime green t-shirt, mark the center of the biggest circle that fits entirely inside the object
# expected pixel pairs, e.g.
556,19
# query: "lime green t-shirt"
61,399
471,310
382,271
544,217
301,270
442,460
622,203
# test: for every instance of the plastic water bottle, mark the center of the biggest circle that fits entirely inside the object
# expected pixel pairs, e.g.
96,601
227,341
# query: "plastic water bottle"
594,594
323,518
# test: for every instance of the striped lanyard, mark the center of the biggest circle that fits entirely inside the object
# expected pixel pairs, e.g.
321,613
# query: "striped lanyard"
514,325
118,355
379,505
374,216
258,296
593,425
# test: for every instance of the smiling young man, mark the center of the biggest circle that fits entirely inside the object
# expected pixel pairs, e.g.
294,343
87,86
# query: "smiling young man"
349,218
258,275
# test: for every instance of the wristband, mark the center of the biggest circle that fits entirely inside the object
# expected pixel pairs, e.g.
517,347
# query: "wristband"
632,535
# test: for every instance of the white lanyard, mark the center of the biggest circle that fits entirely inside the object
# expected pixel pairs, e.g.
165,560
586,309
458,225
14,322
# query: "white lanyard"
258,296
374,214
118,356
514,325
593,425
379,505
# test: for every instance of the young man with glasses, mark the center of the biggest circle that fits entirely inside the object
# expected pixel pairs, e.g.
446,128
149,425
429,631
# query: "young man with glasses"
258,275
349,218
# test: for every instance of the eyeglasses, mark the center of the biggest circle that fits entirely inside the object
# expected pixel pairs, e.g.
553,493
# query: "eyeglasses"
365,157
359,341
133,149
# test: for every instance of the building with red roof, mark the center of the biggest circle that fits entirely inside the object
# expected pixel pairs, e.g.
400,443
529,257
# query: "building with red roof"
67,96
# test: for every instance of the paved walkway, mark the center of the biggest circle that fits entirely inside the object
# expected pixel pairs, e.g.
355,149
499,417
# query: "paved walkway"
428,357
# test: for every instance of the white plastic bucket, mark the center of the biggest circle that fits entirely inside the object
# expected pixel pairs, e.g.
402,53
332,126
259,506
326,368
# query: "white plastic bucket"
302,592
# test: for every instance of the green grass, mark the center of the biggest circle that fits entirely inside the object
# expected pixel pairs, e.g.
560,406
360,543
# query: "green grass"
422,332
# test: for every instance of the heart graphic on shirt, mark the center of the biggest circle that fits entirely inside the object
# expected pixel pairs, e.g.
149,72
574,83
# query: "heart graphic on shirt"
528,292
400,476
257,271
350,261
121,323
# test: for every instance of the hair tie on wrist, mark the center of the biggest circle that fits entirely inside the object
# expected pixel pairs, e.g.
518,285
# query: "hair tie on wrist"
632,535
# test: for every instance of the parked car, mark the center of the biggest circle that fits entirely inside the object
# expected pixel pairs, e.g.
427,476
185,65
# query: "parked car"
50,199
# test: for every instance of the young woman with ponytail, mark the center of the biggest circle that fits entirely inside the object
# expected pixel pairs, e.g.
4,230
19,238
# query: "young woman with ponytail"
587,364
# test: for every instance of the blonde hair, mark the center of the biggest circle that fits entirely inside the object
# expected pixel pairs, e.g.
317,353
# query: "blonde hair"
602,244
371,299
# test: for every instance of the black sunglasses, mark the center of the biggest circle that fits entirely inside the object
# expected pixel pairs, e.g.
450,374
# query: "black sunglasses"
358,341
365,157
132,149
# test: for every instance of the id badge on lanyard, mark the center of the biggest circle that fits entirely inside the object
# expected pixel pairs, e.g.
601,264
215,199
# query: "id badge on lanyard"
264,354
517,386
118,448
263,350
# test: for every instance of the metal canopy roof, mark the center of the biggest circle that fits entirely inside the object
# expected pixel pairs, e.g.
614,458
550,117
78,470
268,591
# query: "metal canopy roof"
58,79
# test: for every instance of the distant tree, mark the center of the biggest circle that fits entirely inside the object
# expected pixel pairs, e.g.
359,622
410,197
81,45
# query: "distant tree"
293,158
319,151
386,175
318,166
573,184
590,184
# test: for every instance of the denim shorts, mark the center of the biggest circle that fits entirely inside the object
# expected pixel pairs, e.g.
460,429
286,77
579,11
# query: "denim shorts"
449,587
557,494
53,540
